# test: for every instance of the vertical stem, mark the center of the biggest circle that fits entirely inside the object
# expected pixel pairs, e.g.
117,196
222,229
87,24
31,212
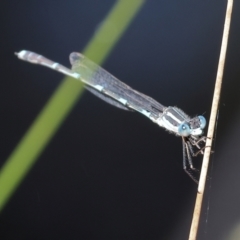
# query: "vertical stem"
212,121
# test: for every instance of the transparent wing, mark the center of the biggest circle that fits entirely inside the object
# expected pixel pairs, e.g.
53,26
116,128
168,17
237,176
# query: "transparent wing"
110,89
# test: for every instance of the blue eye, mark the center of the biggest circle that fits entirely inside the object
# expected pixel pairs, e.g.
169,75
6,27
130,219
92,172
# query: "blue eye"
202,122
184,130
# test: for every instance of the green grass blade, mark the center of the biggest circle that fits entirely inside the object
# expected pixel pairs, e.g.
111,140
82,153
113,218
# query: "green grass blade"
62,101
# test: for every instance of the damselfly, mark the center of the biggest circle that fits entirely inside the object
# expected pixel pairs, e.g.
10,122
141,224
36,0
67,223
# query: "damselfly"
105,86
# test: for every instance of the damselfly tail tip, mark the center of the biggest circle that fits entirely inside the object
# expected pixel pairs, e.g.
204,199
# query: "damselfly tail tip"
20,54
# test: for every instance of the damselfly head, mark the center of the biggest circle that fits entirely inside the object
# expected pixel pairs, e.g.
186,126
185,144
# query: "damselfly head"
194,127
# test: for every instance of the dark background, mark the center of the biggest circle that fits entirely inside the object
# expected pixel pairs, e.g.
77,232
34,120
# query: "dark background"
109,173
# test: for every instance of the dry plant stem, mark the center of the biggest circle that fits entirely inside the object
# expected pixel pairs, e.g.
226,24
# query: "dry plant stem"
215,103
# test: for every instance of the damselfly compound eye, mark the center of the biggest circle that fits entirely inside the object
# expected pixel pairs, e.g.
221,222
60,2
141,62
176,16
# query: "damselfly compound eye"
202,122
184,130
